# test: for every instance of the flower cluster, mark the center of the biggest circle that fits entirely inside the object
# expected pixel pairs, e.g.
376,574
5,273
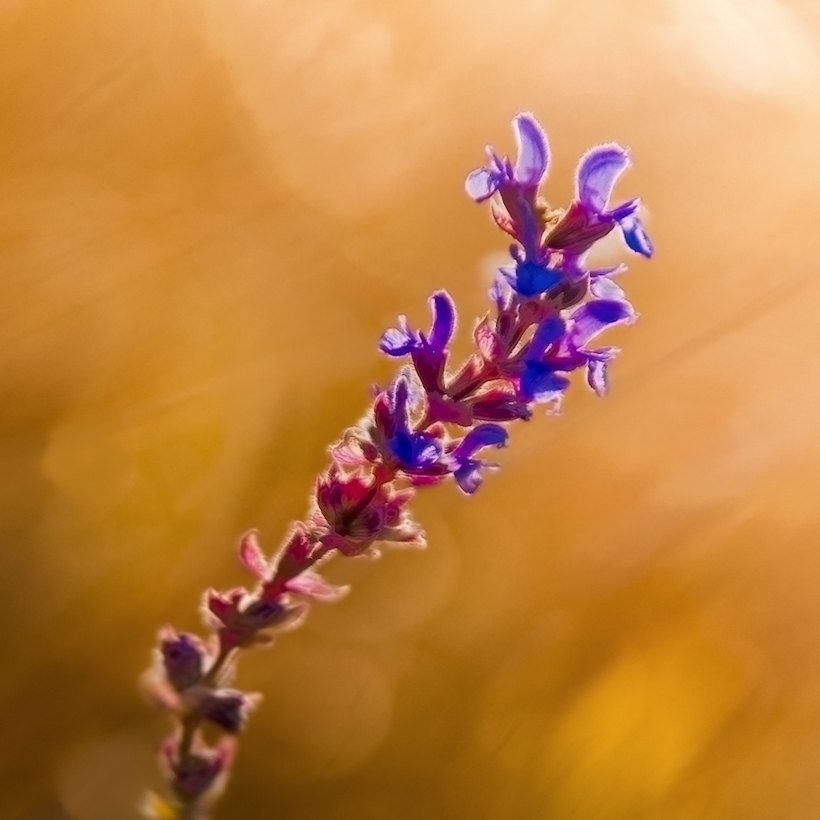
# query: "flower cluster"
433,422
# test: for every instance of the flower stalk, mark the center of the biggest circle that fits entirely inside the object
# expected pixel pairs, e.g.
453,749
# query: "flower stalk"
430,424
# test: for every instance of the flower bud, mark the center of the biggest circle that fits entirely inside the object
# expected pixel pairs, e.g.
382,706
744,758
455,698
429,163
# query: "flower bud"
183,657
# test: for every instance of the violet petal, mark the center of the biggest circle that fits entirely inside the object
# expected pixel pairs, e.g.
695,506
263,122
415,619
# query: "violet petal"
597,173
547,332
481,184
415,451
540,383
398,341
468,477
591,318
444,320
624,210
603,287
398,403
482,435
532,278
533,151
635,236
597,377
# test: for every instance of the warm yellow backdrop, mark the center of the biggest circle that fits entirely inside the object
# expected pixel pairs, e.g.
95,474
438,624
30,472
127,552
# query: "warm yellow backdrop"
209,211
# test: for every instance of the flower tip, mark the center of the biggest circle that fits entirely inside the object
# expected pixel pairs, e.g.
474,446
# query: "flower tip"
444,320
480,184
598,172
395,342
533,150
635,236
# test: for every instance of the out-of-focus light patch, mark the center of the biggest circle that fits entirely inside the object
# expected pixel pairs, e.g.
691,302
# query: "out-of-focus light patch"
475,26
738,47
85,461
71,247
637,726
327,709
758,434
512,721
391,588
9,9
367,117
489,265
105,779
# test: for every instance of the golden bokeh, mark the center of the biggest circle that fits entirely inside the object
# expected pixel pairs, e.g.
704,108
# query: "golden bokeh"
209,212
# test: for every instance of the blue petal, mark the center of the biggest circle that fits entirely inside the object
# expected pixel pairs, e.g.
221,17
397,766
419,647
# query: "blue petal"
426,451
481,184
482,435
397,397
608,311
591,318
468,477
625,209
532,278
541,383
597,172
397,341
635,236
533,151
415,450
549,331
604,288
597,376
444,320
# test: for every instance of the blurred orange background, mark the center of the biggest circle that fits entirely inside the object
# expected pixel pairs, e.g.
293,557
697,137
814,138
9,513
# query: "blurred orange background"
211,210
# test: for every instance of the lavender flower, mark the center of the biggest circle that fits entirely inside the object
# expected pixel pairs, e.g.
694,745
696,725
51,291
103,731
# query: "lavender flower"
530,167
428,351
468,470
551,244
430,424
589,218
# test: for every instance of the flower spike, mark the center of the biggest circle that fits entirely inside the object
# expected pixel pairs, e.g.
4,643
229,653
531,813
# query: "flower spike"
430,425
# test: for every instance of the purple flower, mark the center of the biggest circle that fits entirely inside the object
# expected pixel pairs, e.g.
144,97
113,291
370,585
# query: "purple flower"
386,440
518,186
589,217
530,166
416,453
467,468
557,349
540,379
587,322
428,351
549,306
529,277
